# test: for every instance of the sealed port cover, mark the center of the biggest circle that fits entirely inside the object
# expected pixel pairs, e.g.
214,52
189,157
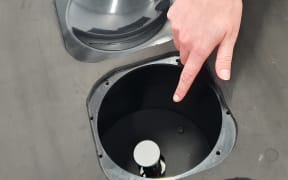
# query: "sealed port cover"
146,153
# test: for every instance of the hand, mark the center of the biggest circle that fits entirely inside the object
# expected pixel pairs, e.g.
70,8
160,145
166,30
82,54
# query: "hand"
199,26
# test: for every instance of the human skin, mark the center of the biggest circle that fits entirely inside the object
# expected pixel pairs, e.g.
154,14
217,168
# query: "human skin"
200,26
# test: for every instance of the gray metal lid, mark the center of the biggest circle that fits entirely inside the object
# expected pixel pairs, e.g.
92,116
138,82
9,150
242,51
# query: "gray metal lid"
116,24
95,30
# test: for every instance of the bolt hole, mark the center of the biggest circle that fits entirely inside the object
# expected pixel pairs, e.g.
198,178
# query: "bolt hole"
218,153
180,130
107,83
100,156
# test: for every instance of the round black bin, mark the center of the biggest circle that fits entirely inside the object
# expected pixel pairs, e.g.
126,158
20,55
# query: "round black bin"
134,104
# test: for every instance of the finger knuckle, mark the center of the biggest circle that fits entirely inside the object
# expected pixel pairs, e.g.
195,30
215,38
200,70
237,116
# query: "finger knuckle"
183,61
169,14
185,40
225,59
200,51
186,77
174,25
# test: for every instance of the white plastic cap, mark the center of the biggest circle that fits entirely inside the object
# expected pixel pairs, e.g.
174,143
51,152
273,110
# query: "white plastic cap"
146,153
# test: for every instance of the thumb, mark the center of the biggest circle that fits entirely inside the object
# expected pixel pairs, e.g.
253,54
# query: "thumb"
224,58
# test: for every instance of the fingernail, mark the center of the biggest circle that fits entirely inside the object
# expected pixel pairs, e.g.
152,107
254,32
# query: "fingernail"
176,98
225,74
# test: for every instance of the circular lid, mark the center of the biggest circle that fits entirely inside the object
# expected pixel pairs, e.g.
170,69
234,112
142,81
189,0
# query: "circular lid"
116,24
146,153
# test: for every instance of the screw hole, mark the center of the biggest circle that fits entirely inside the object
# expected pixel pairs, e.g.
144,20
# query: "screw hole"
218,153
180,130
228,112
91,118
107,83
100,156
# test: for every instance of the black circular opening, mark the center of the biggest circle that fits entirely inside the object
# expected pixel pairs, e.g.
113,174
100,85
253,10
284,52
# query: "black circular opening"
139,107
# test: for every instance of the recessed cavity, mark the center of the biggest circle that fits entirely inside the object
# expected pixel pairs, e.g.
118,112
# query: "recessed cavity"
139,106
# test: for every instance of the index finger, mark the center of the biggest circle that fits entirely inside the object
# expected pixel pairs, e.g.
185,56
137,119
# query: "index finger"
188,75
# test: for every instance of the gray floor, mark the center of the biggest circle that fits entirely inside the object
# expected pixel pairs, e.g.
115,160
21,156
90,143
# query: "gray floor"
44,130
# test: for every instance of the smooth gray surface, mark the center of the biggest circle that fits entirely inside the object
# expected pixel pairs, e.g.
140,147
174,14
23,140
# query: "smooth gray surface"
44,129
